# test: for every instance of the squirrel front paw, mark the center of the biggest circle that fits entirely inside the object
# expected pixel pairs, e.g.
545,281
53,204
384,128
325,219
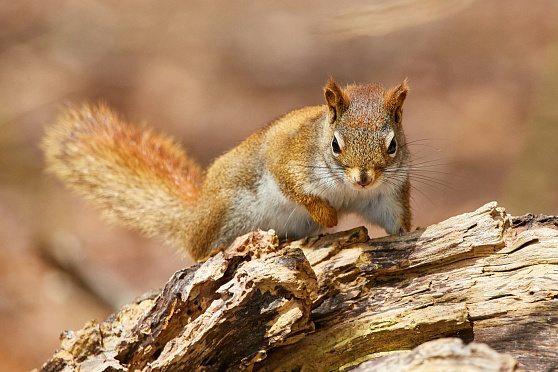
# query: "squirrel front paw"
322,212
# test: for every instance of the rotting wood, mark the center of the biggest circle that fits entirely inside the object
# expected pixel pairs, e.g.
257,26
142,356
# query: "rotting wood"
335,301
445,354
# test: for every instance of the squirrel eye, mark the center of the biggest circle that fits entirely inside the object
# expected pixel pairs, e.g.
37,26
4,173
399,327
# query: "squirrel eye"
392,148
335,146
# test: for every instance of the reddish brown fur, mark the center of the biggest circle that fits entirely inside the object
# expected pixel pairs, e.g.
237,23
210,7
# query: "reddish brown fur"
121,167
146,181
396,96
100,131
337,100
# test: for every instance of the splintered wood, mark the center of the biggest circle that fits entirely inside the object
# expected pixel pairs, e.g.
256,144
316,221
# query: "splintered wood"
343,301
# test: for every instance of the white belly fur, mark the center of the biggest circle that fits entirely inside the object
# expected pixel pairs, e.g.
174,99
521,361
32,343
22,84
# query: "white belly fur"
269,209
379,205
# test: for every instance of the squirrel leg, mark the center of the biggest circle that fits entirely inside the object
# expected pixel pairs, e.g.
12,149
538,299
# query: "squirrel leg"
321,211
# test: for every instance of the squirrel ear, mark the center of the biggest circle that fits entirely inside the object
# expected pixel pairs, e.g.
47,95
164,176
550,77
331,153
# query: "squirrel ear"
395,98
337,100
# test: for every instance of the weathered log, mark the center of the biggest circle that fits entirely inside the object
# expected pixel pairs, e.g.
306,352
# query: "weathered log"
335,301
444,354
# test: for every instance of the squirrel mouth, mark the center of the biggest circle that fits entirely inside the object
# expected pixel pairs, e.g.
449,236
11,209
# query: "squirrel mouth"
362,179
366,183
367,186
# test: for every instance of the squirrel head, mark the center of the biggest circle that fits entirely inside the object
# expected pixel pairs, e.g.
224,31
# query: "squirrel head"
365,136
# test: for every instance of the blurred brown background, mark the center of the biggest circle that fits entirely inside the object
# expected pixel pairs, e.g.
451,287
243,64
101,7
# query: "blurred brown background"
482,108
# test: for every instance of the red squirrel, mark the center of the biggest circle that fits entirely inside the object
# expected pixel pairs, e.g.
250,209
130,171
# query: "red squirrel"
294,175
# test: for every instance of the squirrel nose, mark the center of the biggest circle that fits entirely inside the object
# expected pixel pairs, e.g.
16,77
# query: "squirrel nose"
364,179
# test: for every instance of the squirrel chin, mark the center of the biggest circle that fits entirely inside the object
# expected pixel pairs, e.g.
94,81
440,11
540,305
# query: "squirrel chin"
370,186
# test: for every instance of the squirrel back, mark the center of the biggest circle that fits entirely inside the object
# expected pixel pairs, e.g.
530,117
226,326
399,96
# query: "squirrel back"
139,179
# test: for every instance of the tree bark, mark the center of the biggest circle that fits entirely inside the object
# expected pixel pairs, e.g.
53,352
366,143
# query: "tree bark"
343,301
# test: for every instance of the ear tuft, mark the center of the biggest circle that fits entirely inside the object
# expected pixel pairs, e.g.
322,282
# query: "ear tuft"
337,100
395,97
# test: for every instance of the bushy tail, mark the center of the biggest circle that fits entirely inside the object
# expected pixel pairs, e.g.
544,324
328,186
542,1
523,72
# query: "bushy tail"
139,179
